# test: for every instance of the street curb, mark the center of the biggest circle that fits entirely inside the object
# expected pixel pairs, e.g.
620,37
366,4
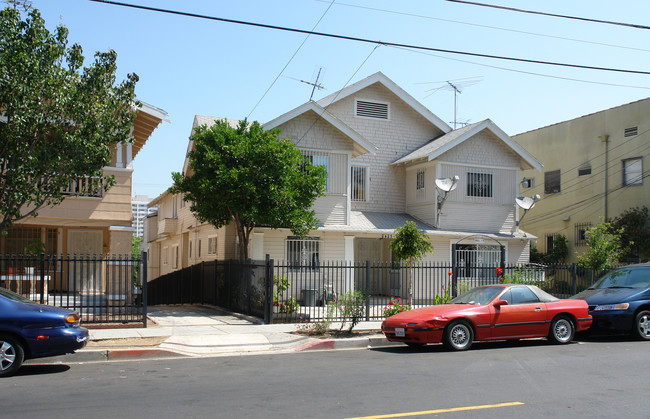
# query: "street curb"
94,355
362,342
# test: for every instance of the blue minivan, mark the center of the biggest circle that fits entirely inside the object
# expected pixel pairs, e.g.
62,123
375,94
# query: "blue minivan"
620,301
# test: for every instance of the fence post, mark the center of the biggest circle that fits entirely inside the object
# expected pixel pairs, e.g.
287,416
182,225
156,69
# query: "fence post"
42,281
574,278
454,271
143,281
268,291
367,290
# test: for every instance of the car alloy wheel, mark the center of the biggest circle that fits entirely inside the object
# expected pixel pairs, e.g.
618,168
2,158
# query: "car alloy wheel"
561,330
458,336
642,325
11,355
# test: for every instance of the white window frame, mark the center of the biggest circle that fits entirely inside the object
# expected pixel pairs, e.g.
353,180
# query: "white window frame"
212,245
174,256
322,159
474,187
366,183
165,255
633,176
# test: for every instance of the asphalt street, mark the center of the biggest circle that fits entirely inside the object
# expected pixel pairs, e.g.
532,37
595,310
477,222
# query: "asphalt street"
601,377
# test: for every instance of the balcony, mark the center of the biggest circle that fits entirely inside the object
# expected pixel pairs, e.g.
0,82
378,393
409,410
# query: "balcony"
167,226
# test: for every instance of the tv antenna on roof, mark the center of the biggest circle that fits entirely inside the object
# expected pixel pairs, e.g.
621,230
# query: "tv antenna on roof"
457,86
315,84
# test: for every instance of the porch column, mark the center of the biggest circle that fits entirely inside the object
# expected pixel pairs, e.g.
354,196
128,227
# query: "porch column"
349,261
118,161
257,251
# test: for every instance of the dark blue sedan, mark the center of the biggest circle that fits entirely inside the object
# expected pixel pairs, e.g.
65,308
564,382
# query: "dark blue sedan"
620,301
29,330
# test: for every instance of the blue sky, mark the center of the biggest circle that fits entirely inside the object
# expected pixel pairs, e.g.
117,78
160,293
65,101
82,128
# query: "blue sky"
190,66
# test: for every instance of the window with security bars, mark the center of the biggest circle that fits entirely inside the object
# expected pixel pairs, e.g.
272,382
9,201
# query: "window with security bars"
479,185
24,240
552,182
632,131
550,238
319,159
580,233
632,172
303,254
420,180
371,109
359,178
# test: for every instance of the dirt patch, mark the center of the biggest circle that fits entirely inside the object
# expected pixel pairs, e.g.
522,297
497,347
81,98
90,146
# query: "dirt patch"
127,342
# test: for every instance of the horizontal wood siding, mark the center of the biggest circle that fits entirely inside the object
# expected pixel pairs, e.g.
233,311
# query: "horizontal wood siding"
331,209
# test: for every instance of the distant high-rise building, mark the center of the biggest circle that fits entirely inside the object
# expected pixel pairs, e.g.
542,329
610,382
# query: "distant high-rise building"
140,211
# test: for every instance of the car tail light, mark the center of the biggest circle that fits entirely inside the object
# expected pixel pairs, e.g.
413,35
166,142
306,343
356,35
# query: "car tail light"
72,318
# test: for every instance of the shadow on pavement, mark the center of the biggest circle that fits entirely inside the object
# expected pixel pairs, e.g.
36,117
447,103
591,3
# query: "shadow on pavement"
36,369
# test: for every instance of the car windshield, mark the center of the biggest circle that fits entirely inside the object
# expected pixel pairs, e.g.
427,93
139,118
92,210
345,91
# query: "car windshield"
13,296
480,295
625,278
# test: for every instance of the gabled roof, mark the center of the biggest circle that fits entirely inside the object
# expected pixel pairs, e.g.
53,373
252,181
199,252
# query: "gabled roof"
361,145
200,120
441,145
379,77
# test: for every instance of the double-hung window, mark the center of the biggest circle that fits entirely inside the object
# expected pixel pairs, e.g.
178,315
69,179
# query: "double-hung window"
303,254
633,172
212,245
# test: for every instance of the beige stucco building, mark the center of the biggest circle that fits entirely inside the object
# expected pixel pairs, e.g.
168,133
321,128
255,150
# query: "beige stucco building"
594,169
91,225
383,152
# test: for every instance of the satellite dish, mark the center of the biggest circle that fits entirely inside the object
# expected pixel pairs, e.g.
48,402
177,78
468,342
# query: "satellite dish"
525,202
447,184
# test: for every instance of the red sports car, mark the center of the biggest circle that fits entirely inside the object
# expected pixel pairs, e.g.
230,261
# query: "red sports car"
491,312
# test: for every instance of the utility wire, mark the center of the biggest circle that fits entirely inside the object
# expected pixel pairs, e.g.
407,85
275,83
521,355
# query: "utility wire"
370,41
513,9
290,59
488,26
524,72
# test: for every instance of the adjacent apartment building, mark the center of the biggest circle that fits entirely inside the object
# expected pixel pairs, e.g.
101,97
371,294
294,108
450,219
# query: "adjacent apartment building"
383,152
140,207
594,169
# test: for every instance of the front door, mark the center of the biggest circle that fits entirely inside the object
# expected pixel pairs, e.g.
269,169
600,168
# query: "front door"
85,275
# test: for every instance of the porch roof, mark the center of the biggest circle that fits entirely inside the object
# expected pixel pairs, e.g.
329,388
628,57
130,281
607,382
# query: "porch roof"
387,223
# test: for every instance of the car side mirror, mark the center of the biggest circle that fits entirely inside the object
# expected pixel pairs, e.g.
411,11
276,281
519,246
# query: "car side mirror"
500,303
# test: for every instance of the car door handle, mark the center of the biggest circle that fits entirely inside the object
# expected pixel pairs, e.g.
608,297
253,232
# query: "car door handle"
538,309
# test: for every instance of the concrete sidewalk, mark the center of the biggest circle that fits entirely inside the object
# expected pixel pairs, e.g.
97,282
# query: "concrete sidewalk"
191,330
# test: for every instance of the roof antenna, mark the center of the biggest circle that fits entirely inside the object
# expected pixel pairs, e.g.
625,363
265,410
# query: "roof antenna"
315,84
457,86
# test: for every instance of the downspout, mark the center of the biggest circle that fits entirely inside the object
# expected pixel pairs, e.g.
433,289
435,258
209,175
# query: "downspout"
605,140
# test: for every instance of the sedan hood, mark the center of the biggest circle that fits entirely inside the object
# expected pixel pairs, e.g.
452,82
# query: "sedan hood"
607,295
432,311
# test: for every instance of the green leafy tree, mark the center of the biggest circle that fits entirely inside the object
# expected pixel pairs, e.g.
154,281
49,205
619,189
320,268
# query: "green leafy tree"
559,251
59,120
412,245
135,252
636,231
251,177
604,248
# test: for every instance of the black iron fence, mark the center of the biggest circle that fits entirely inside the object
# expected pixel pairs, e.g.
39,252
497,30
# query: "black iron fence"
286,292
103,289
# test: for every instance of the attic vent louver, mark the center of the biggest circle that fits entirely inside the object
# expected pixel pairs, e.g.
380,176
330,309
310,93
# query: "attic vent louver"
375,110
631,132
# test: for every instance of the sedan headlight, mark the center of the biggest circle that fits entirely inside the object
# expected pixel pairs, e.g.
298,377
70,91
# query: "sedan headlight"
607,307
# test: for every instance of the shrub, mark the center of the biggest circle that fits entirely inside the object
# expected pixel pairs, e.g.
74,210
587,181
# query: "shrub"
352,306
395,306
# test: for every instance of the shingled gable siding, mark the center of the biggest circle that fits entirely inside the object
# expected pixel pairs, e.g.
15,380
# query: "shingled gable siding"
481,154
404,132
310,132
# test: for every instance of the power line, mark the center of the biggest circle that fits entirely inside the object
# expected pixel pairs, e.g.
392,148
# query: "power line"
513,9
488,26
290,59
526,72
357,39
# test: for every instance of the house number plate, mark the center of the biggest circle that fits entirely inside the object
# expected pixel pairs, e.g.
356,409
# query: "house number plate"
399,332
